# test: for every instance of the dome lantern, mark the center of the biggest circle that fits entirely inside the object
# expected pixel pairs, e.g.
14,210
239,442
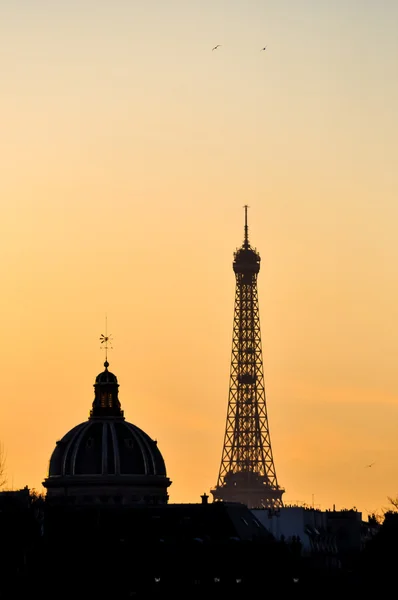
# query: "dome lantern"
106,402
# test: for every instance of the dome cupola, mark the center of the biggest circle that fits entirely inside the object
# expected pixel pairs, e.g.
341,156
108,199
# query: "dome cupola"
106,401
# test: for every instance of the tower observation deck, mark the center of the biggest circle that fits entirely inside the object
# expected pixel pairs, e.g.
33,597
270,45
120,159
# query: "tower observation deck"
247,471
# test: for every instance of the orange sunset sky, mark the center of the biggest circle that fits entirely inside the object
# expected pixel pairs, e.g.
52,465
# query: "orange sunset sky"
127,150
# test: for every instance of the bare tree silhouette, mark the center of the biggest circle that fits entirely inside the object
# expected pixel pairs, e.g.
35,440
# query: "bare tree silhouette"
3,477
394,503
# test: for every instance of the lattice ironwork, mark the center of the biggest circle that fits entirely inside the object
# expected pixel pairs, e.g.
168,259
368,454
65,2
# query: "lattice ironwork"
247,470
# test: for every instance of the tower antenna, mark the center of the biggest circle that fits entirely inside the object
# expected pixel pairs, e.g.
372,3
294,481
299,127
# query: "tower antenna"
246,240
106,340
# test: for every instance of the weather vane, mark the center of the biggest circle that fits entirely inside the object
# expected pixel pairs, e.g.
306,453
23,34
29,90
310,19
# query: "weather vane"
106,340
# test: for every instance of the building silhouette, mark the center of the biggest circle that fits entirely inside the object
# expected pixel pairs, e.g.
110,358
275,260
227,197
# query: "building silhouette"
247,471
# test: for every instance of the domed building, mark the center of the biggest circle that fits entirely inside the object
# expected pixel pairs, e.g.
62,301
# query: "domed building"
107,460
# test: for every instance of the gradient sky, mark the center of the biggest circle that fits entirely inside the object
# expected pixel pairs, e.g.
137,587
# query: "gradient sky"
127,151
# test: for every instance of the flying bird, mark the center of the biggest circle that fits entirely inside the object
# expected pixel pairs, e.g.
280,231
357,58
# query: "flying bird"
215,47
265,47
370,465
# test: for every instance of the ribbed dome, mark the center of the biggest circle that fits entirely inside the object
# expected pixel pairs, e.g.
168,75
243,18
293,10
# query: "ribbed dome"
105,446
107,459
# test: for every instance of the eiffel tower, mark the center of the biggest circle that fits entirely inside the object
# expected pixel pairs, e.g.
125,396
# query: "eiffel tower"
247,471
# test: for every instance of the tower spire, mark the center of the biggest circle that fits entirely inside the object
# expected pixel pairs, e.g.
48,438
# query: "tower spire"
247,470
246,238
